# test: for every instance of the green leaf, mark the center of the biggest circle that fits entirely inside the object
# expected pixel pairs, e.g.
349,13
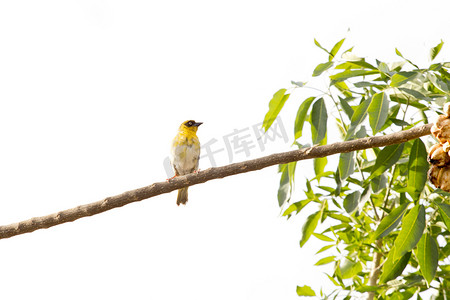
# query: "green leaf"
401,78
352,73
390,222
346,107
392,269
298,83
435,50
378,111
322,68
335,49
275,106
324,248
351,201
349,268
346,165
323,237
357,118
297,207
309,227
325,260
386,159
286,182
301,116
399,54
445,213
319,118
305,291
412,229
428,256
320,46
417,168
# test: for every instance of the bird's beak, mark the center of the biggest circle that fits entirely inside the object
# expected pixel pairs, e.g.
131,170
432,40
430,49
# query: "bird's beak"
198,124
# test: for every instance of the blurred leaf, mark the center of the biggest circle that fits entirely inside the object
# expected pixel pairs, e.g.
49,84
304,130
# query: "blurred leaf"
410,62
445,213
325,260
343,88
390,222
435,50
351,201
417,168
346,165
392,269
319,118
401,78
386,159
412,229
298,83
378,183
322,68
324,248
352,73
349,268
428,256
305,291
378,111
335,49
309,227
320,162
301,116
355,64
275,106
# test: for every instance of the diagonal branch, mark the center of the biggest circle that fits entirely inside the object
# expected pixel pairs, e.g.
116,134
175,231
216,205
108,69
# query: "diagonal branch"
158,188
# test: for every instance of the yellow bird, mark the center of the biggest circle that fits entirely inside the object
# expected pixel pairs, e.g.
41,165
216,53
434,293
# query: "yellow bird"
185,153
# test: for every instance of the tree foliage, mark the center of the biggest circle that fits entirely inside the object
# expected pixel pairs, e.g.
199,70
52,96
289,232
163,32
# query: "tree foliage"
376,201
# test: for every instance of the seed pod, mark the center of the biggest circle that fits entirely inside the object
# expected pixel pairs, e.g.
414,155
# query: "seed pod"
440,177
441,129
446,109
438,156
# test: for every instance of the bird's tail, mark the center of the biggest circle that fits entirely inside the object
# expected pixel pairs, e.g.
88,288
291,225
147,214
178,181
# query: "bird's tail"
182,196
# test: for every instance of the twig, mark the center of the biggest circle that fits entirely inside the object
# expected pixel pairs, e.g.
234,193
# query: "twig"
159,188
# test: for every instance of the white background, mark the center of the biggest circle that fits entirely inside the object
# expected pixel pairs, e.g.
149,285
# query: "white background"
92,93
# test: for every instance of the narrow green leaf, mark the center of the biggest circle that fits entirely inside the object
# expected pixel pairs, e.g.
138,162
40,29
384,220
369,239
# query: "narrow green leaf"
323,237
417,168
357,118
390,222
286,182
309,227
378,111
296,207
346,107
445,213
428,256
320,46
275,106
298,83
305,291
435,50
319,118
325,260
401,78
335,49
386,159
352,73
325,248
301,116
322,68
343,88
392,269
346,165
412,229
351,201
399,54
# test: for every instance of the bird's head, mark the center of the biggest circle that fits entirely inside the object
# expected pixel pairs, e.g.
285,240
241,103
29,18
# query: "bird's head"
190,126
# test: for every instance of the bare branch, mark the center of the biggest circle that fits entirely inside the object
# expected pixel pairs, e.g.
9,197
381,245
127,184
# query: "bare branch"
158,188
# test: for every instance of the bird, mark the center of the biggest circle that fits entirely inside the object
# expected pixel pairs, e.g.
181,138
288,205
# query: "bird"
185,154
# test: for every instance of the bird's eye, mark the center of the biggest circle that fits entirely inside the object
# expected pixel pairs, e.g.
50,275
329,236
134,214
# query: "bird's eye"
190,123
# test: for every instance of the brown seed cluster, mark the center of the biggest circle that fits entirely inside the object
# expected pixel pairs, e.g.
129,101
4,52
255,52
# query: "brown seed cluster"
438,155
